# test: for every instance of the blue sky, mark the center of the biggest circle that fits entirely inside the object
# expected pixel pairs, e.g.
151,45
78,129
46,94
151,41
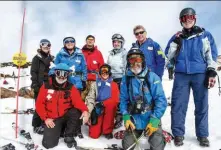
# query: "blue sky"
55,20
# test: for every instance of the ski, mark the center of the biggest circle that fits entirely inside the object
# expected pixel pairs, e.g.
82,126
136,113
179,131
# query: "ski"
112,147
9,146
28,146
13,111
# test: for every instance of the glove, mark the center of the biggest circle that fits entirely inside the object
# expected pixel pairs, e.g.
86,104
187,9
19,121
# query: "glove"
152,126
99,108
84,85
36,88
210,80
128,123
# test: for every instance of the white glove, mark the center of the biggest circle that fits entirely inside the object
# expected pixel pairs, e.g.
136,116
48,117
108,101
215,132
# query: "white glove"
52,65
73,68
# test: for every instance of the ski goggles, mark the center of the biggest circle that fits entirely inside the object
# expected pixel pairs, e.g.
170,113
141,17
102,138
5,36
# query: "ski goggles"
117,36
69,40
187,17
133,60
45,44
104,70
61,73
137,33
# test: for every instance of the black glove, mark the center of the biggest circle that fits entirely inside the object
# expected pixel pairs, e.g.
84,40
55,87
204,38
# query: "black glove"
99,107
94,117
83,85
210,72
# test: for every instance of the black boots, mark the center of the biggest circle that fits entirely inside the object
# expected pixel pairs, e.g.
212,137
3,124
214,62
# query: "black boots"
203,141
108,136
70,141
178,140
39,130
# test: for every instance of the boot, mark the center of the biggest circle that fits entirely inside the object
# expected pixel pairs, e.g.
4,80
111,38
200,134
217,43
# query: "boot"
39,130
70,141
178,140
108,136
203,141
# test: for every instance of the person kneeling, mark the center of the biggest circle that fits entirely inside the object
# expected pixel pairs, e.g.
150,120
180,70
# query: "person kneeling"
102,101
58,104
142,102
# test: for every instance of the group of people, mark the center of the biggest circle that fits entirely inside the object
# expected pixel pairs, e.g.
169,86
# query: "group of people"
77,87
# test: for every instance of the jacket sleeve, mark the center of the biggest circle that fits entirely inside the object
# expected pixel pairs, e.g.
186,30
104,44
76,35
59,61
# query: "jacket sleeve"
101,59
124,97
77,101
168,45
213,46
34,73
40,103
90,98
84,68
124,61
57,59
157,92
160,59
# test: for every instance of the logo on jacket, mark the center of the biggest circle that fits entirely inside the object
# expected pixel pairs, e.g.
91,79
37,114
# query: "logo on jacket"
150,48
49,97
94,61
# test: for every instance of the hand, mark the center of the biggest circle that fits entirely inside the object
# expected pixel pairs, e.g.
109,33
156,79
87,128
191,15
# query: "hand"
85,117
99,105
99,108
152,126
210,80
84,84
50,123
128,123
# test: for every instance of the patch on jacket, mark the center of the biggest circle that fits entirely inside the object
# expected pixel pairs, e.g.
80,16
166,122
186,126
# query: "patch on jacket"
78,61
94,61
49,97
50,91
150,48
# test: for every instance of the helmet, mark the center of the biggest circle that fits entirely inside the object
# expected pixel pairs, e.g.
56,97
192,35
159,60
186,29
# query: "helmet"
108,69
187,11
135,50
118,37
68,39
45,42
62,66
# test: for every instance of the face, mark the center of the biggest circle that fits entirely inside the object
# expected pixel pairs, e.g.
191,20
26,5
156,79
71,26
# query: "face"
188,21
136,64
117,44
45,49
69,43
104,75
140,35
61,76
90,42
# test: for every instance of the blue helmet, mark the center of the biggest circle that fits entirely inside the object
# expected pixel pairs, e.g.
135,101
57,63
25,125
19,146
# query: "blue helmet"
62,66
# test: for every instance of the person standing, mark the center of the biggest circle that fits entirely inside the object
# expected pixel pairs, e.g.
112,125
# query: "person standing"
39,74
193,51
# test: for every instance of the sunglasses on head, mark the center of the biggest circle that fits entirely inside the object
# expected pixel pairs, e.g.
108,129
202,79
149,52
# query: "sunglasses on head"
61,73
187,17
135,60
69,40
45,44
137,33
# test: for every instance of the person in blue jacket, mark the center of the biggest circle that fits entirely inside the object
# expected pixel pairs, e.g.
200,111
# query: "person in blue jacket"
193,51
142,102
155,58
74,58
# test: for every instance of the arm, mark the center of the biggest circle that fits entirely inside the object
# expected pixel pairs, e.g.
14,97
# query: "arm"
90,98
84,68
160,102
124,61
34,74
57,59
124,97
213,46
40,103
77,101
101,60
160,59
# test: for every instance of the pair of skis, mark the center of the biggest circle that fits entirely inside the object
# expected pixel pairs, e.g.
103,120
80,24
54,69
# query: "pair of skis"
112,147
13,111
9,146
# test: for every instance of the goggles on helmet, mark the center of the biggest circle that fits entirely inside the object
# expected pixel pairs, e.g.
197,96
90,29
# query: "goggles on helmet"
61,73
187,17
45,44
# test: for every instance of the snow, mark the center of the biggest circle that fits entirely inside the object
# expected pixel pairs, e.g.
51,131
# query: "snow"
190,142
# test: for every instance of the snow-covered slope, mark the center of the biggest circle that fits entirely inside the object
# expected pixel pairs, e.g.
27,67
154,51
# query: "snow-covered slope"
190,142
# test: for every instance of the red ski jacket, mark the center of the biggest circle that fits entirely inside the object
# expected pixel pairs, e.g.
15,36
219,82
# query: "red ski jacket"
54,101
94,59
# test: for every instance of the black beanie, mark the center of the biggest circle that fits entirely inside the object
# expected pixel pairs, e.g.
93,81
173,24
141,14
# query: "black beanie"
90,36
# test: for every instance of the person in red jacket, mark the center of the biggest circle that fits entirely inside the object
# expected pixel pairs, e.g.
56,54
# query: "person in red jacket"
102,101
58,104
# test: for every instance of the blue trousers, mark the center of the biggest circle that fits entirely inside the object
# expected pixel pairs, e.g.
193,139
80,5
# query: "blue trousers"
180,99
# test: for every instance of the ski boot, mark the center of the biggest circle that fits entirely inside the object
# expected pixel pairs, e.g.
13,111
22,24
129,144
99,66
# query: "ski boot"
70,141
39,130
79,134
204,142
178,140
108,136
118,122
8,147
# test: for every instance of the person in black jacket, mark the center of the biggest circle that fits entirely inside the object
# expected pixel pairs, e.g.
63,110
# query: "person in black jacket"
39,74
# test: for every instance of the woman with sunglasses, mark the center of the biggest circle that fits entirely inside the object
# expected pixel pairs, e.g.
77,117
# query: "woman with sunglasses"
194,53
39,74
155,58
117,61
60,105
102,101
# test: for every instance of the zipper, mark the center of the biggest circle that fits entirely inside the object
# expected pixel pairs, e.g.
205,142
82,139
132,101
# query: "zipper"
58,103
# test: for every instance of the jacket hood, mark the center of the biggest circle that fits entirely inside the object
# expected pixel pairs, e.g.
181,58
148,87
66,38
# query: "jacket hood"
64,51
84,48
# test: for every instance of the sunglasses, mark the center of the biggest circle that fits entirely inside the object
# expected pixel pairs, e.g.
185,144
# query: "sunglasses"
137,33
45,44
104,71
187,17
135,60
69,40
61,73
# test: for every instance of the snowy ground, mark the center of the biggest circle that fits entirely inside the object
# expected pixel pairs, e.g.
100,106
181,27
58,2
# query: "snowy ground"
190,142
